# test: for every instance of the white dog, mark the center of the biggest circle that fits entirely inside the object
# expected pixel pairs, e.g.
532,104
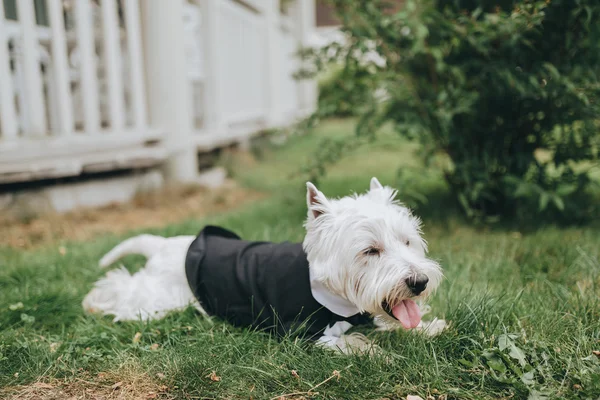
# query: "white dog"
363,256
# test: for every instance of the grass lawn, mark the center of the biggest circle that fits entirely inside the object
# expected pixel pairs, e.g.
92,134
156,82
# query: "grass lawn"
524,307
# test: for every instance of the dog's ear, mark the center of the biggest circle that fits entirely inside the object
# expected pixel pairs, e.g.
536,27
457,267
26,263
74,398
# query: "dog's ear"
315,201
375,184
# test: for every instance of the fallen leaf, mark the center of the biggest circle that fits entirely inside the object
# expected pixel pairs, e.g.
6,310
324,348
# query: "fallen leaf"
410,397
154,346
160,375
295,374
576,387
137,337
54,346
62,250
596,353
214,377
151,395
336,373
117,385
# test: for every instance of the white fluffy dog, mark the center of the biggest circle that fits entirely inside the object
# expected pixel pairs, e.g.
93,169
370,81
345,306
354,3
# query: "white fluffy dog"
363,256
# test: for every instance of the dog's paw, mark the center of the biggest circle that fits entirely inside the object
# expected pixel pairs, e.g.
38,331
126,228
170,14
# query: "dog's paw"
357,343
94,301
382,325
429,328
432,328
354,343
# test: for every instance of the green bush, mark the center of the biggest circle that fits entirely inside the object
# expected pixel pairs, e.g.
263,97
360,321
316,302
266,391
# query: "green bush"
342,91
507,90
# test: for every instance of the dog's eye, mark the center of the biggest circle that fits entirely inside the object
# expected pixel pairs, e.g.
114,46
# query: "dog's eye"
372,251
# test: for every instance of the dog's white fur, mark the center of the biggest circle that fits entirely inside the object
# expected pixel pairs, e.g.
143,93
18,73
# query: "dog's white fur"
338,234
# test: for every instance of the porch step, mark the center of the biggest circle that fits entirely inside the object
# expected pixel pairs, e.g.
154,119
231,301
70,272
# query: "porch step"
81,163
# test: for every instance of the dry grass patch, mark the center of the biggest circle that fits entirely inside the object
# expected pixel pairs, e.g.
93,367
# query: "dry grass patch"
127,383
148,210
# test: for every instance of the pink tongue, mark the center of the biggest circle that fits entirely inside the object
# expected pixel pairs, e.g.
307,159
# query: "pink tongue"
407,313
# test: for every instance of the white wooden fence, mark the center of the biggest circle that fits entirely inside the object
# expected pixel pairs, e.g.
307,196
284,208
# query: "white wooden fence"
98,85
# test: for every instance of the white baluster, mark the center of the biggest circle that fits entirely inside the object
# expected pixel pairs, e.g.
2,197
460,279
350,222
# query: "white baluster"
8,114
88,78
112,59
33,89
136,70
62,82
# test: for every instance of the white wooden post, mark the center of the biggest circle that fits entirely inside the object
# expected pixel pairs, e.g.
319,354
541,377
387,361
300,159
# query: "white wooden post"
213,104
170,101
112,60
62,82
306,14
134,47
273,62
8,114
88,77
34,94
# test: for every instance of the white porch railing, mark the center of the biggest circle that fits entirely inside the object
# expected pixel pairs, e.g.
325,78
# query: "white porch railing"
71,88
90,85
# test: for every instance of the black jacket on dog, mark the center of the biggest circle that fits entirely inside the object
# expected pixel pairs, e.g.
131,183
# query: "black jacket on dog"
257,284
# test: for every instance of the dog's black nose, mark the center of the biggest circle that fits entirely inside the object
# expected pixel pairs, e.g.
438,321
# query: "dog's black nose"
417,283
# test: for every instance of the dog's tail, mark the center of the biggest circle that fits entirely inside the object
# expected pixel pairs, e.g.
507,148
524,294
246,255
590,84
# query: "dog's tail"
146,245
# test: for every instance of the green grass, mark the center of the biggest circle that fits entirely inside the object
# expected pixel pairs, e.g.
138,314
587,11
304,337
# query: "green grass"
524,306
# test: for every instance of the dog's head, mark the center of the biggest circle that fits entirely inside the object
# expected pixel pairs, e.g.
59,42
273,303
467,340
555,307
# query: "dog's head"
368,250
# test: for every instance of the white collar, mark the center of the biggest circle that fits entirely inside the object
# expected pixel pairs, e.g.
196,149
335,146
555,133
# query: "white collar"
334,303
